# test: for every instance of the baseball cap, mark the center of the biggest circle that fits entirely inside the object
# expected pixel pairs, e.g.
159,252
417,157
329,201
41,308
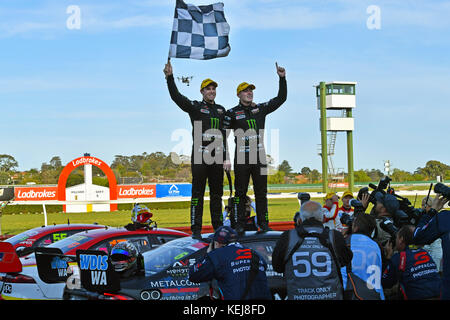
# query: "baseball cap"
207,82
225,235
389,201
347,193
329,195
243,86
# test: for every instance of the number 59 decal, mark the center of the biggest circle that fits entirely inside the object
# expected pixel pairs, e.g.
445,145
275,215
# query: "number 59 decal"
319,264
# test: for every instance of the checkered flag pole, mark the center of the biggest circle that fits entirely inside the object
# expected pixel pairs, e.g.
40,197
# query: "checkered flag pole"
199,32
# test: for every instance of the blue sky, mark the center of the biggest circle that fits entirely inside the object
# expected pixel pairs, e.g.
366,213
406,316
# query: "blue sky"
100,88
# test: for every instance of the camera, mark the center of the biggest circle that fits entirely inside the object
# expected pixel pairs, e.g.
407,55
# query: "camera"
442,189
388,226
303,197
359,208
346,218
383,184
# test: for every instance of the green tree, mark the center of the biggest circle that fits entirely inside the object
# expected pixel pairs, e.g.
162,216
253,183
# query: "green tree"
432,169
361,176
315,176
277,178
285,167
8,163
401,175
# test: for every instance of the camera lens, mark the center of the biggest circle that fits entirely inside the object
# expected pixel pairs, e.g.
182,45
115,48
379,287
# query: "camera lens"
442,189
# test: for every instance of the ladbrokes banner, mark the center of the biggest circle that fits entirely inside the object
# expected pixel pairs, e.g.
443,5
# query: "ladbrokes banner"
123,192
36,193
136,191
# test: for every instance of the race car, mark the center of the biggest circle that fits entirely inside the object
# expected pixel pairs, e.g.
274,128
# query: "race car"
27,241
24,282
165,274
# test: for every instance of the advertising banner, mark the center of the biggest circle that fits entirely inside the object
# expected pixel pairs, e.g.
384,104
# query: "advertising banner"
36,193
173,190
136,191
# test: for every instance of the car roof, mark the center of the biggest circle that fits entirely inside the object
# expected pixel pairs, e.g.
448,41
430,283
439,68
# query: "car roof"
38,232
65,226
108,231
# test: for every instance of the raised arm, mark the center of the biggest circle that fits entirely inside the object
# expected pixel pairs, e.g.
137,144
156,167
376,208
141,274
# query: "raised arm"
181,101
276,102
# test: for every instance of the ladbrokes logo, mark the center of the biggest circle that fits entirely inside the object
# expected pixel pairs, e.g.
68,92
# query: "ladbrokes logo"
45,193
86,160
146,191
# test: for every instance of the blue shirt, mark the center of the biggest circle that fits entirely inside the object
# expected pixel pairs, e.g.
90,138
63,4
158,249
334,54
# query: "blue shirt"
366,262
428,230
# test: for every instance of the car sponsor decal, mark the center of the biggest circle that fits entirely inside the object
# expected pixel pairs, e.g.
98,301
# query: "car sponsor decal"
96,272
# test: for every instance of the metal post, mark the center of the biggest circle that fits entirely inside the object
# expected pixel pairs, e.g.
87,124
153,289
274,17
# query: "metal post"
351,176
323,131
45,214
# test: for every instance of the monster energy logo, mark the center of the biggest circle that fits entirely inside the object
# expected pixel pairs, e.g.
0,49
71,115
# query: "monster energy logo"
214,123
194,202
251,124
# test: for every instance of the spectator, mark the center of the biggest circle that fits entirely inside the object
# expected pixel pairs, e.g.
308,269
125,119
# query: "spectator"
413,269
310,257
330,211
346,208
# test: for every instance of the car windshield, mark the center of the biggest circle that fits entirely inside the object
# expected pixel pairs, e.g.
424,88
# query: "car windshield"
166,255
23,236
71,242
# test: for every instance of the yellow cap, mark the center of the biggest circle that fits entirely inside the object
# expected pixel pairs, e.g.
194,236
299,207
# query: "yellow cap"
207,82
243,86
329,195
347,193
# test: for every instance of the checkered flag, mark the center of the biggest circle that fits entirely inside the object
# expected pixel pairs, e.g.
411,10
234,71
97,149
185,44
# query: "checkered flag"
199,32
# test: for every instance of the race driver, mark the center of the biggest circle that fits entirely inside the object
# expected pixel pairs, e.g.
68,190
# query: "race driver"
247,120
207,119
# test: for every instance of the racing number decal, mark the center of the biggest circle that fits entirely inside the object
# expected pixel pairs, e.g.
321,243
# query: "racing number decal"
315,264
59,236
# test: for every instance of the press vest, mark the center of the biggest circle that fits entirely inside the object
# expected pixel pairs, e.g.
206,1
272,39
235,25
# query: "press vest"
311,272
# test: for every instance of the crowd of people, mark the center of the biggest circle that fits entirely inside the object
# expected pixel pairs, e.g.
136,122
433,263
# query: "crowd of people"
324,258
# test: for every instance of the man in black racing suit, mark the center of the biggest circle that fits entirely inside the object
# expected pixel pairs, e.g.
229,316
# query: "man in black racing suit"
208,149
247,120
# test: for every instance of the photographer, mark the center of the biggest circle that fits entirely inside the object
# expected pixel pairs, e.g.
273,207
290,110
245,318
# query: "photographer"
435,248
413,269
433,225
386,208
300,247
240,272
366,266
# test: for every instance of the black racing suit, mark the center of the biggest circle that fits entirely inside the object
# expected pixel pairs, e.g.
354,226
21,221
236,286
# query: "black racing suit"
250,156
206,157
